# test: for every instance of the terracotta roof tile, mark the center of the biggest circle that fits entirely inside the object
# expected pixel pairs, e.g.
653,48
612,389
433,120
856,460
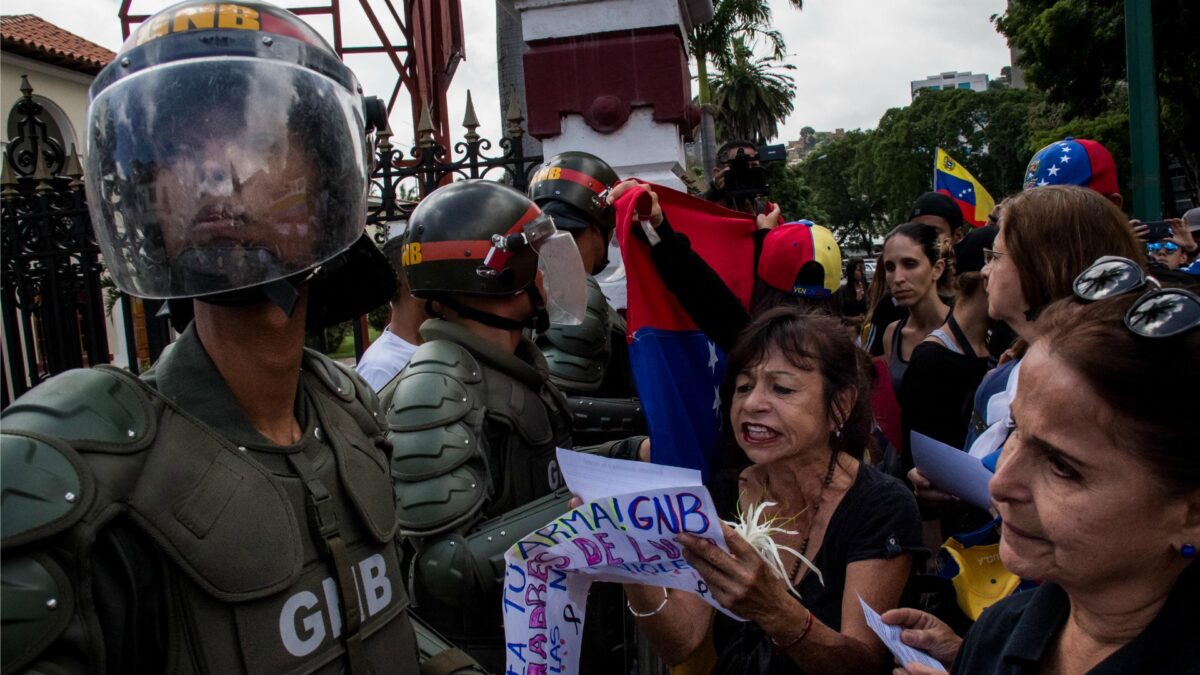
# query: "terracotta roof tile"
36,38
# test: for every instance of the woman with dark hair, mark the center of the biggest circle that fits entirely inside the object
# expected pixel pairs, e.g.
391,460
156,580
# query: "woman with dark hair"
881,311
1098,488
851,299
913,264
947,366
798,409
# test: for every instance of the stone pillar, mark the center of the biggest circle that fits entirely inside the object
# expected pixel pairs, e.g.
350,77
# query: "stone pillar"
510,68
611,77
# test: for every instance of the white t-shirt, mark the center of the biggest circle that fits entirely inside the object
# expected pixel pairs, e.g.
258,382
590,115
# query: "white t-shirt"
386,356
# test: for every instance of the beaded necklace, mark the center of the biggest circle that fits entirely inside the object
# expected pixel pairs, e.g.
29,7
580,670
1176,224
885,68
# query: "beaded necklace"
816,510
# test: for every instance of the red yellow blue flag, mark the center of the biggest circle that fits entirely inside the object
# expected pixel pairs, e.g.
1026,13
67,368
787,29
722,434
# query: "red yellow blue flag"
953,180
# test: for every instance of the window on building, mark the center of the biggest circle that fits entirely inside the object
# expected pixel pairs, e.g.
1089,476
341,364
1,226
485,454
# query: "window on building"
964,85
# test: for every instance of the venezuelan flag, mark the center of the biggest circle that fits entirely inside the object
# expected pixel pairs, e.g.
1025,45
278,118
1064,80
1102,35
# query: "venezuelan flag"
953,180
677,369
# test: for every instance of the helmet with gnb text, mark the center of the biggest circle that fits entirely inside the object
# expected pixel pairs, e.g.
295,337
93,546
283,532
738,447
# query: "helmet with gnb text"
478,237
580,182
228,153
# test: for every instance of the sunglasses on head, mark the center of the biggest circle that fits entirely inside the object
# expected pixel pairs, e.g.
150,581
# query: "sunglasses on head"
1160,312
1168,246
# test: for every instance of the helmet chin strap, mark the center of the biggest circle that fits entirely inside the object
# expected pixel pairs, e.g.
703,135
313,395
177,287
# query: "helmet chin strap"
539,321
282,293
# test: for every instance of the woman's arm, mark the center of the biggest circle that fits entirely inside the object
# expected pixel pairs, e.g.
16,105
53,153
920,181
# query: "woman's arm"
700,291
741,582
855,649
887,340
677,629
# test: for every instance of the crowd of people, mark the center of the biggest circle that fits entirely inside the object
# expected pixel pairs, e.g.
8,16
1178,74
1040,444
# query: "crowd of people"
251,506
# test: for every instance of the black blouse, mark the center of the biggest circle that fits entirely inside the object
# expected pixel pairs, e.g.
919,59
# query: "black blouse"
876,519
1015,635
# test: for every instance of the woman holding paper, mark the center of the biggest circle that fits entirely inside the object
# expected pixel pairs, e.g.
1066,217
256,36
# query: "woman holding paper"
798,408
1048,235
1098,487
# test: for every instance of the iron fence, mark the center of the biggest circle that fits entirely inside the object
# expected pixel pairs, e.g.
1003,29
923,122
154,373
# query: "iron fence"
50,269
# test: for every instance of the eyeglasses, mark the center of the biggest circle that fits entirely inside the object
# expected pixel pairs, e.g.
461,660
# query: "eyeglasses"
1160,312
1168,246
990,256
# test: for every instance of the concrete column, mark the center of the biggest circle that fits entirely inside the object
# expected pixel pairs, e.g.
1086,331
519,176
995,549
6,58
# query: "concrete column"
611,77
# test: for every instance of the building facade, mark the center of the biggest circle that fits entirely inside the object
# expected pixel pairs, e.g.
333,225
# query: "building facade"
951,80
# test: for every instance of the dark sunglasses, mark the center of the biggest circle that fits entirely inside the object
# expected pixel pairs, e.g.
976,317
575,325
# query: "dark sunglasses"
1160,312
1168,246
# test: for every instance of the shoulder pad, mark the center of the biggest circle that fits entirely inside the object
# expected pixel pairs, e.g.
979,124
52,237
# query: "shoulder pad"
438,387
435,418
447,357
37,602
425,453
330,374
346,386
46,488
441,503
100,409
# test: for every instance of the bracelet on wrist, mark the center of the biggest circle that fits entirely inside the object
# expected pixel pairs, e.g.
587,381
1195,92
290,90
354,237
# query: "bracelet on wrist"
781,648
656,610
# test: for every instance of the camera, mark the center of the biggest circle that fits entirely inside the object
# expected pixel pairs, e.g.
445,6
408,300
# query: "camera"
746,177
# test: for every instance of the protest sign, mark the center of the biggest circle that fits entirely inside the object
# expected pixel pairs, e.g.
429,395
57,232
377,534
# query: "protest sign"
626,538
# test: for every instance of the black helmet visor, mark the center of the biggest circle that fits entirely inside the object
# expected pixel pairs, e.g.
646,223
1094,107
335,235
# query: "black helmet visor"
215,174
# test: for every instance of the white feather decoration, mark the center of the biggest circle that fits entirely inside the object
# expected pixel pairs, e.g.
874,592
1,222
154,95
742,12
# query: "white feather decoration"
758,532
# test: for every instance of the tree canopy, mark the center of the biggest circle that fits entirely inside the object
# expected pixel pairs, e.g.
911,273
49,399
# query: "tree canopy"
1074,51
751,95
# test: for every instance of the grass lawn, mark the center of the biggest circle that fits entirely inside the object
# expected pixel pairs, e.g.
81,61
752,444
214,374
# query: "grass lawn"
346,349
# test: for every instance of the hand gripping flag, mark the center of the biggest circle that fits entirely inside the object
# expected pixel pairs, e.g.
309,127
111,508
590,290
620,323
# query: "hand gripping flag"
678,371
952,179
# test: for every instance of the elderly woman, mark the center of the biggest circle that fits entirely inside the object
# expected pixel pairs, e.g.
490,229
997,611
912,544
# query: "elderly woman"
1098,487
798,409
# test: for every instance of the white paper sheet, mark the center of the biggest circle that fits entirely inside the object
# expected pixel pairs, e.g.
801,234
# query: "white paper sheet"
891,639
593,477
952,470
625,533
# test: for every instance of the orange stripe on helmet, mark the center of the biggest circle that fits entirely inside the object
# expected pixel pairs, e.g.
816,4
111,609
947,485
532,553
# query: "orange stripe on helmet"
467,249
532,212
582,179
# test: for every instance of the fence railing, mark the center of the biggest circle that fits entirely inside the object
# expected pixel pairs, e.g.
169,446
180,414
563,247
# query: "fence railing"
50,270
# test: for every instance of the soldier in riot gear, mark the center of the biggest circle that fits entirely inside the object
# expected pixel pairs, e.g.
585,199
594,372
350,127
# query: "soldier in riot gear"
589,362
231,510
474,420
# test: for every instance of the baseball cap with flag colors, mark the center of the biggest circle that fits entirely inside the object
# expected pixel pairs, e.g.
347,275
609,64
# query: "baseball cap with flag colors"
789,247
1073,161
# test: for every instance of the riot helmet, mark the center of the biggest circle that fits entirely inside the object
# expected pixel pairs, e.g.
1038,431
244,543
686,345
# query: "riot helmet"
228,158
480,238
573,188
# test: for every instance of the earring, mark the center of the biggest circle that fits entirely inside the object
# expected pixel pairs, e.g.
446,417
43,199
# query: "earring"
1187,551
838,433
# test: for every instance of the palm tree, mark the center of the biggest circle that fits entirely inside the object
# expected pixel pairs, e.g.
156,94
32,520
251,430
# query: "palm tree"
710,42
751,96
